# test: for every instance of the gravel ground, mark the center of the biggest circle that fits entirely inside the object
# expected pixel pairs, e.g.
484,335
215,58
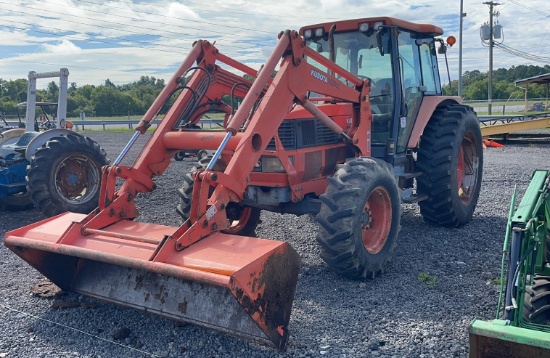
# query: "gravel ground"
395,315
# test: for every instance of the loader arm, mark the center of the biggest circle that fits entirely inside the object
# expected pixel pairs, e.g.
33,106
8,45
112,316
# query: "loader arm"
290,87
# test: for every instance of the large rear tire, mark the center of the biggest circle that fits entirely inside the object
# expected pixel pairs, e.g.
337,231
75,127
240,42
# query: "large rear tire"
359,218
65,174
244,219
450,157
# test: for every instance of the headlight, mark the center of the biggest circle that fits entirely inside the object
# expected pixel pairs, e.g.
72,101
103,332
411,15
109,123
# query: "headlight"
272,165
364,27
308,33
319,32
377,24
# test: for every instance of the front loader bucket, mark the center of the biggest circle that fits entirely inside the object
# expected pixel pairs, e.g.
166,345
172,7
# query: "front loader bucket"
240,285
495,339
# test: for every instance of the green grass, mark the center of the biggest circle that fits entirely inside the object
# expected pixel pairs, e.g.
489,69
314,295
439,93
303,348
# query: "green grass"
109,130
427,279
136,117
495,281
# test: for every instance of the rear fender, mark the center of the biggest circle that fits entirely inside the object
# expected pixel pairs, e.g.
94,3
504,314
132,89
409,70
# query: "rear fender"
427,108
42,138
11,134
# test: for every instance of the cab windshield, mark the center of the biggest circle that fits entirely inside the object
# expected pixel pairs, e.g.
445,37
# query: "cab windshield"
356,52
360,54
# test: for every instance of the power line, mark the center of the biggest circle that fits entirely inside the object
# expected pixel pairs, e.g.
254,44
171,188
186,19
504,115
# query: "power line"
116,23
164,16
88,34
522,54
537,11
109,28
228,12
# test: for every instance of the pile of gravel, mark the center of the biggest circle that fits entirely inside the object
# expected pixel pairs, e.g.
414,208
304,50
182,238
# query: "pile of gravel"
438,281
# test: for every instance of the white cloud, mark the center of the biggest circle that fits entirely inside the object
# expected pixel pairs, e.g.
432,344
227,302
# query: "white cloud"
180,11
122,39
65,47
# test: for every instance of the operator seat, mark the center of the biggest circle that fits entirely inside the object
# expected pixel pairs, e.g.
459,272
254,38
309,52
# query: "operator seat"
381,96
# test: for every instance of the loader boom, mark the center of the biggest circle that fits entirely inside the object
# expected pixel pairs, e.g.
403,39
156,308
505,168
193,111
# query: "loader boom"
283,92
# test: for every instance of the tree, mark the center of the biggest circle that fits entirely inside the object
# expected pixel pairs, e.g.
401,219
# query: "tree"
105,100
16,90
476,90
53,92
110,84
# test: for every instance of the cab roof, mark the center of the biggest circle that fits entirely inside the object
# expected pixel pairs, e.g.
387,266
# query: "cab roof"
350,25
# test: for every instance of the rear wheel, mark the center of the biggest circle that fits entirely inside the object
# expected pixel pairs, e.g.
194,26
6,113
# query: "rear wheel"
243,219
64,175
450,157
359,218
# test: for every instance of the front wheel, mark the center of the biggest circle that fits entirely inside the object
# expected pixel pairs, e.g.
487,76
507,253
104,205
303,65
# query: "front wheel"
359,218
536,303
243,220
450,157
64,175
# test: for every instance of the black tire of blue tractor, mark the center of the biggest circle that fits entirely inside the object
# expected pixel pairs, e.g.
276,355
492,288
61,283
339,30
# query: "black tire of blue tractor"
65,175
179,156
185,193
452,136
349,215
536,302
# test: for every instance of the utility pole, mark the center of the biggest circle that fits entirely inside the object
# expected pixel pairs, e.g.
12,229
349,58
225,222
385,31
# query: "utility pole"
491,44
462,15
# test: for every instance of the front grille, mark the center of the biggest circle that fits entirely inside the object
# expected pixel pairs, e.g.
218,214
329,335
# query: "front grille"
287,135
309,132
304,133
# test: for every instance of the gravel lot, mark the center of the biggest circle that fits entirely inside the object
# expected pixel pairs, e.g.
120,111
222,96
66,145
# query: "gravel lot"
395,315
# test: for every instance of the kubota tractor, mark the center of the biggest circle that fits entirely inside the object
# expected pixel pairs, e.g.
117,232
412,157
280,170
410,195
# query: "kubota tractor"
352,124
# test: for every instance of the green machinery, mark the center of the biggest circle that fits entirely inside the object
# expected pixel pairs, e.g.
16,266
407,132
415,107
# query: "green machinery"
522,325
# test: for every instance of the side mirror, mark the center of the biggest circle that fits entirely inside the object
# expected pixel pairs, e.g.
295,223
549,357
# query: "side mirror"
404,110
319,47
383,39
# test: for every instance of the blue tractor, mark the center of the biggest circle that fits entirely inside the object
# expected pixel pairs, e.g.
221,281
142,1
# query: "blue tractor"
56,170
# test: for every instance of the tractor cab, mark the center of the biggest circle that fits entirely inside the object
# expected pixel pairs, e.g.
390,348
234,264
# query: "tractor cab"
399,60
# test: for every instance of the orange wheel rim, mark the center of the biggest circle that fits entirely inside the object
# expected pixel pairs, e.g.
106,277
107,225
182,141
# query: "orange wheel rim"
467,170
237,225
460,168
376,220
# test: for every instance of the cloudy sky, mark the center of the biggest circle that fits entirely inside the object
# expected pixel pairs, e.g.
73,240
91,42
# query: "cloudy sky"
124,39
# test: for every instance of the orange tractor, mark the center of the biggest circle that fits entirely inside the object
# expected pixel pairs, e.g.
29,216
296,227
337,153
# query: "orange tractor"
352,124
